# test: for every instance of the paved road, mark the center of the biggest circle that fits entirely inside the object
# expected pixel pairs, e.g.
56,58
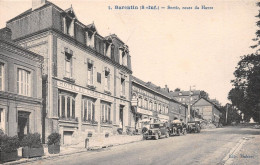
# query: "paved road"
209,148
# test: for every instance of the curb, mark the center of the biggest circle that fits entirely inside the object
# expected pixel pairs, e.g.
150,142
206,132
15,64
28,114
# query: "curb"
43,157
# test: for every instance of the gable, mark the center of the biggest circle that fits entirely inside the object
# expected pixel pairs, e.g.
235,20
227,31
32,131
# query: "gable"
202,102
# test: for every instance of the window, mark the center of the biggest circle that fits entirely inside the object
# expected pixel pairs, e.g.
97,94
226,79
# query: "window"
23,82
68,26
107,80
2,77
122,89
108,49
140,101
68,63
145,103
155,106
150,105
90,73
105,112
90,39
98,77
167,110
88,110
159,108
2,120
66,106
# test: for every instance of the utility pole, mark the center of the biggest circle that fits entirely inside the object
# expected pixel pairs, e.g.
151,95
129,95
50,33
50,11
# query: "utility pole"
226,113
189,108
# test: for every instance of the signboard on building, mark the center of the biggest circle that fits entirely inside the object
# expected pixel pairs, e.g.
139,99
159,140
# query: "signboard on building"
143,111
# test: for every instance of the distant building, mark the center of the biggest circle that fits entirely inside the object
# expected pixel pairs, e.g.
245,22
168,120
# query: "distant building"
206,109
186,97
87,85
154,103
20,88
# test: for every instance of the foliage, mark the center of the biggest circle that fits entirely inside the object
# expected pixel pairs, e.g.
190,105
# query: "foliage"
32,140
177,90
245,94
120,131
8,144
54,139
204,94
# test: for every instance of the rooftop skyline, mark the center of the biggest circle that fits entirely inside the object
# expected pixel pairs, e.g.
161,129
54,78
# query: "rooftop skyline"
179,48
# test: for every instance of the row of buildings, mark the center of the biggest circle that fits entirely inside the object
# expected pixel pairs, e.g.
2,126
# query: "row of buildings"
59,75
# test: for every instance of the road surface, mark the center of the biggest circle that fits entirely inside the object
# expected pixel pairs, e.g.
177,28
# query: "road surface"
209,147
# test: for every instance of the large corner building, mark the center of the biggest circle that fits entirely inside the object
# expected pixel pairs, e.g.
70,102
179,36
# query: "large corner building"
86,76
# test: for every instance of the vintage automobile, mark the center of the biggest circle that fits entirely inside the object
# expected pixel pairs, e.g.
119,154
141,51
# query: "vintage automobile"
156,131
177,129
194,126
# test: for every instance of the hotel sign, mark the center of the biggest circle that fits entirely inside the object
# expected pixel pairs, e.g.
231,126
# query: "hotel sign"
84,91
143,111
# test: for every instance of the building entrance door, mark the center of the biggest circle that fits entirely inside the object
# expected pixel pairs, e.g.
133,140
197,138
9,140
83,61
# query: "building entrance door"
23,124
121,117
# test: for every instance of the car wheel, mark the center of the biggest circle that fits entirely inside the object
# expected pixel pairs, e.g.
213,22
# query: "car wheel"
156,137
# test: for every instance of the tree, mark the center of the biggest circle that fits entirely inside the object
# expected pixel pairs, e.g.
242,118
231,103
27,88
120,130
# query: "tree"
245,95
177,90
204,94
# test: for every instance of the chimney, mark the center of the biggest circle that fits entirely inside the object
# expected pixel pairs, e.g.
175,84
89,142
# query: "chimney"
6,34
37,3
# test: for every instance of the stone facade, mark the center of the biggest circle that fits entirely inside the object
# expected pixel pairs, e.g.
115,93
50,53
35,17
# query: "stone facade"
86,84
20,88
153,104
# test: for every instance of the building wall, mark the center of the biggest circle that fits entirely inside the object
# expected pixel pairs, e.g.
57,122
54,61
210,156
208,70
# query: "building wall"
207,110
11,102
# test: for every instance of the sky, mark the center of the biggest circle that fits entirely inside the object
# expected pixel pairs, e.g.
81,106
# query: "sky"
177,48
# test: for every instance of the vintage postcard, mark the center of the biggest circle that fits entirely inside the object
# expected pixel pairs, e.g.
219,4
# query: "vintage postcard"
167,82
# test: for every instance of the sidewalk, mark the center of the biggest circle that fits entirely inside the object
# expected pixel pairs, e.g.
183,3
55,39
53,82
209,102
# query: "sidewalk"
248,154
95,143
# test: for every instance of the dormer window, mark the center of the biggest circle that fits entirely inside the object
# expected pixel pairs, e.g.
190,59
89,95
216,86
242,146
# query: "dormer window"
123,56
68,25
90,39
108,49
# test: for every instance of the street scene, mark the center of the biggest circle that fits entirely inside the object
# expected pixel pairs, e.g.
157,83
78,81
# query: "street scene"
209,147
174,82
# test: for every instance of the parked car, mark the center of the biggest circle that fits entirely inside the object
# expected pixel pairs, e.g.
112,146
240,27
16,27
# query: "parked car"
156,131
177,129
194,126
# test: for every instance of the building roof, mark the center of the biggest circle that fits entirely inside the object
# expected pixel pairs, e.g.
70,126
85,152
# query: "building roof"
184,93
22,51
208,102
30,10
155,88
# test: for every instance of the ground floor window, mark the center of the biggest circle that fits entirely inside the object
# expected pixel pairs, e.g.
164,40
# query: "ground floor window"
88,109
2,120
66,106
105,112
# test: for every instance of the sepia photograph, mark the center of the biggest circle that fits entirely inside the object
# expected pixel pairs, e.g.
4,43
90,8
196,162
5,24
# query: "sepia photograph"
130,82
